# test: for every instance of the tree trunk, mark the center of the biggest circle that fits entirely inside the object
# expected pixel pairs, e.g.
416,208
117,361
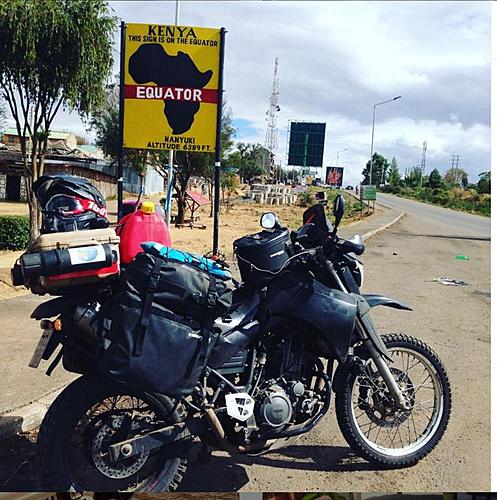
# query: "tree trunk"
181,190
211,213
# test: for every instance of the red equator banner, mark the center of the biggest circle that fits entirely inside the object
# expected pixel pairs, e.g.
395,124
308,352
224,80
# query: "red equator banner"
170,93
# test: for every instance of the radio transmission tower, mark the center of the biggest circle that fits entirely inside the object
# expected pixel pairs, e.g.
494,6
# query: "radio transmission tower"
271,143
423,163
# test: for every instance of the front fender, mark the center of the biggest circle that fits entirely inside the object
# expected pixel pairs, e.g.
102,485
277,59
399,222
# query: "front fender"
380,300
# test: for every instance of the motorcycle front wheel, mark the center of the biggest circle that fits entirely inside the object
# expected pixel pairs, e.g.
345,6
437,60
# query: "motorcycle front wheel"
89,416
370,421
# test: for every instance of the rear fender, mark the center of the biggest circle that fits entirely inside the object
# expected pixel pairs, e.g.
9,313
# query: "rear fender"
55,307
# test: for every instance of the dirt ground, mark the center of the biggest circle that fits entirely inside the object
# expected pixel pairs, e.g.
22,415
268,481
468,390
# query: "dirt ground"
242,219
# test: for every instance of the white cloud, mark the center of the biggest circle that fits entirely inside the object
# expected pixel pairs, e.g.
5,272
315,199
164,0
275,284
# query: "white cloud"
339,58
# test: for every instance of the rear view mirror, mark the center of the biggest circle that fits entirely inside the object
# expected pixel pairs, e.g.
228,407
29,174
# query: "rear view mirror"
338,209
270,221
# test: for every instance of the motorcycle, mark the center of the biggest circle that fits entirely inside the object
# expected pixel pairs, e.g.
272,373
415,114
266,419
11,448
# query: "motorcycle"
285,349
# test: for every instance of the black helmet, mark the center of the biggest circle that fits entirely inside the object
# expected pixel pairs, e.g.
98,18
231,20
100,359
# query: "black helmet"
69,203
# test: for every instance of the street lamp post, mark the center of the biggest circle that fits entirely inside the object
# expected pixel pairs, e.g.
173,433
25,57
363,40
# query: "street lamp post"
338,155
372,136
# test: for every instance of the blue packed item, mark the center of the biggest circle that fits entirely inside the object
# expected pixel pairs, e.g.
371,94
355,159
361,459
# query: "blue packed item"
209,265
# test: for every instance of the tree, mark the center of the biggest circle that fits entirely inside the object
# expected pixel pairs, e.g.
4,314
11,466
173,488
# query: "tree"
394,176
455,176
201,164
105,122
229,184
413,177
435,179
484,184
250,159
380,165
3,114
58,54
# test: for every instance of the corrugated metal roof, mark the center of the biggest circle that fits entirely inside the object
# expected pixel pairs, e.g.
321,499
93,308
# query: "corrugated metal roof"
53,133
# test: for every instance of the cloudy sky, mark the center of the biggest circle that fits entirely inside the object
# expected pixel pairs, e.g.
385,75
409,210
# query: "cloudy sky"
337,59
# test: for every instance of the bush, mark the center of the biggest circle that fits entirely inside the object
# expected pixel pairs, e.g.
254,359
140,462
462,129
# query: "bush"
305,198
14,232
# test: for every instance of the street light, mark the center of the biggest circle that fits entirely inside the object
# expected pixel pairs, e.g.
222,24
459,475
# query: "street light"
372,136
338,154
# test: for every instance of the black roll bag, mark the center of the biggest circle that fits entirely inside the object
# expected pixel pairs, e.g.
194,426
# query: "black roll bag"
261,255
161,325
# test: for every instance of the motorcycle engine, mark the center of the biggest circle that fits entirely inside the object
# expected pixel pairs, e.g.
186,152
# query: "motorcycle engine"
274,407
285,396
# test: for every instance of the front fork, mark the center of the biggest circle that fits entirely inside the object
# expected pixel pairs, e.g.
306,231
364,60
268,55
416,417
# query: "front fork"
373,342
378,351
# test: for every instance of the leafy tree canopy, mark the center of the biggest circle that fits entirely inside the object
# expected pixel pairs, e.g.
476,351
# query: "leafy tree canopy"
455,176
380,166
484,184
251,160
435,179
52,54
394,176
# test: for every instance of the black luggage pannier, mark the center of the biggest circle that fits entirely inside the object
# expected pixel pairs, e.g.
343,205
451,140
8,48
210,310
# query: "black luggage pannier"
265,251
161,325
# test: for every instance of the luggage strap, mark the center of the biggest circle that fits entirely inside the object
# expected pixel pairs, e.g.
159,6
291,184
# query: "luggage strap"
153,281
199,357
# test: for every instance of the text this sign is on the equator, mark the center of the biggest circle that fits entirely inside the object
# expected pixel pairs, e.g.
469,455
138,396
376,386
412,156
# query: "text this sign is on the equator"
170,87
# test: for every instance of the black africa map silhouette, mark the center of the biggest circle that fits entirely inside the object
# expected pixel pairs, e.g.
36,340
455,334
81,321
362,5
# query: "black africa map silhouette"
151,63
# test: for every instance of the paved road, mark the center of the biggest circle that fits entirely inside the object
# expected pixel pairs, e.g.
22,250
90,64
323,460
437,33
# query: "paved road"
453,222
454,321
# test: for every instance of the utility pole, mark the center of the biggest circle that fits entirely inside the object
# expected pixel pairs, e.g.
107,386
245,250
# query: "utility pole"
423,163
271,143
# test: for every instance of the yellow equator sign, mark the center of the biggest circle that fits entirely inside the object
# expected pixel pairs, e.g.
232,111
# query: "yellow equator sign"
171,79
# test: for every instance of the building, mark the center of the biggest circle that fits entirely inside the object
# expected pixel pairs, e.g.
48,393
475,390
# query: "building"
59,159
11,138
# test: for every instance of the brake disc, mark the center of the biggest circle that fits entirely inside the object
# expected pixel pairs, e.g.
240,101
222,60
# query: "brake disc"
383,411
101,458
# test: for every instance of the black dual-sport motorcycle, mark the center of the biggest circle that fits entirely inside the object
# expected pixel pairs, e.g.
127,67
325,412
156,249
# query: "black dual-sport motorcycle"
298,334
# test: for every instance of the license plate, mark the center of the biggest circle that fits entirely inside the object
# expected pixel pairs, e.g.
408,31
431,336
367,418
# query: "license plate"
40,348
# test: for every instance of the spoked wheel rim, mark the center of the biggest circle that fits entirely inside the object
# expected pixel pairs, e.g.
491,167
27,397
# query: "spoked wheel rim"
379,423
113,419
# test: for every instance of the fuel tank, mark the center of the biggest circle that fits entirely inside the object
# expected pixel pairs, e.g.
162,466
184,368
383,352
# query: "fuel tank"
237,329
331,313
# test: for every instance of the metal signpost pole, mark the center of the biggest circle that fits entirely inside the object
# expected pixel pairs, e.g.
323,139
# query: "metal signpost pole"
217,164
120,161
170,170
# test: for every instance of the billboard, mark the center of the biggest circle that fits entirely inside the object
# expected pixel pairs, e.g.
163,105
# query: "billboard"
306,144
171,87
334,176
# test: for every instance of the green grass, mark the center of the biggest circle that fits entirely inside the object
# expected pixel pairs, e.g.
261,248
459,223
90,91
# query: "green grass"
352,204
455,198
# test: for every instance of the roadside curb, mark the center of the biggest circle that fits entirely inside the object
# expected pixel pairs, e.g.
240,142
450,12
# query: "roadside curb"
26,418
29,417
371,233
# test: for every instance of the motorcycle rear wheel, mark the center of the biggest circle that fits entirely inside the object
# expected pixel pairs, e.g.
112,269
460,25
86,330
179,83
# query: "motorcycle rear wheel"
85,419
369,420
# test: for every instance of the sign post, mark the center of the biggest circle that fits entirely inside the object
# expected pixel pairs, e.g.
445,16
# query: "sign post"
217,163
171,82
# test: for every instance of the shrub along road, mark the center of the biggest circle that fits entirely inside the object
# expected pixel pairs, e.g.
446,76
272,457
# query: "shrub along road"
454,321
